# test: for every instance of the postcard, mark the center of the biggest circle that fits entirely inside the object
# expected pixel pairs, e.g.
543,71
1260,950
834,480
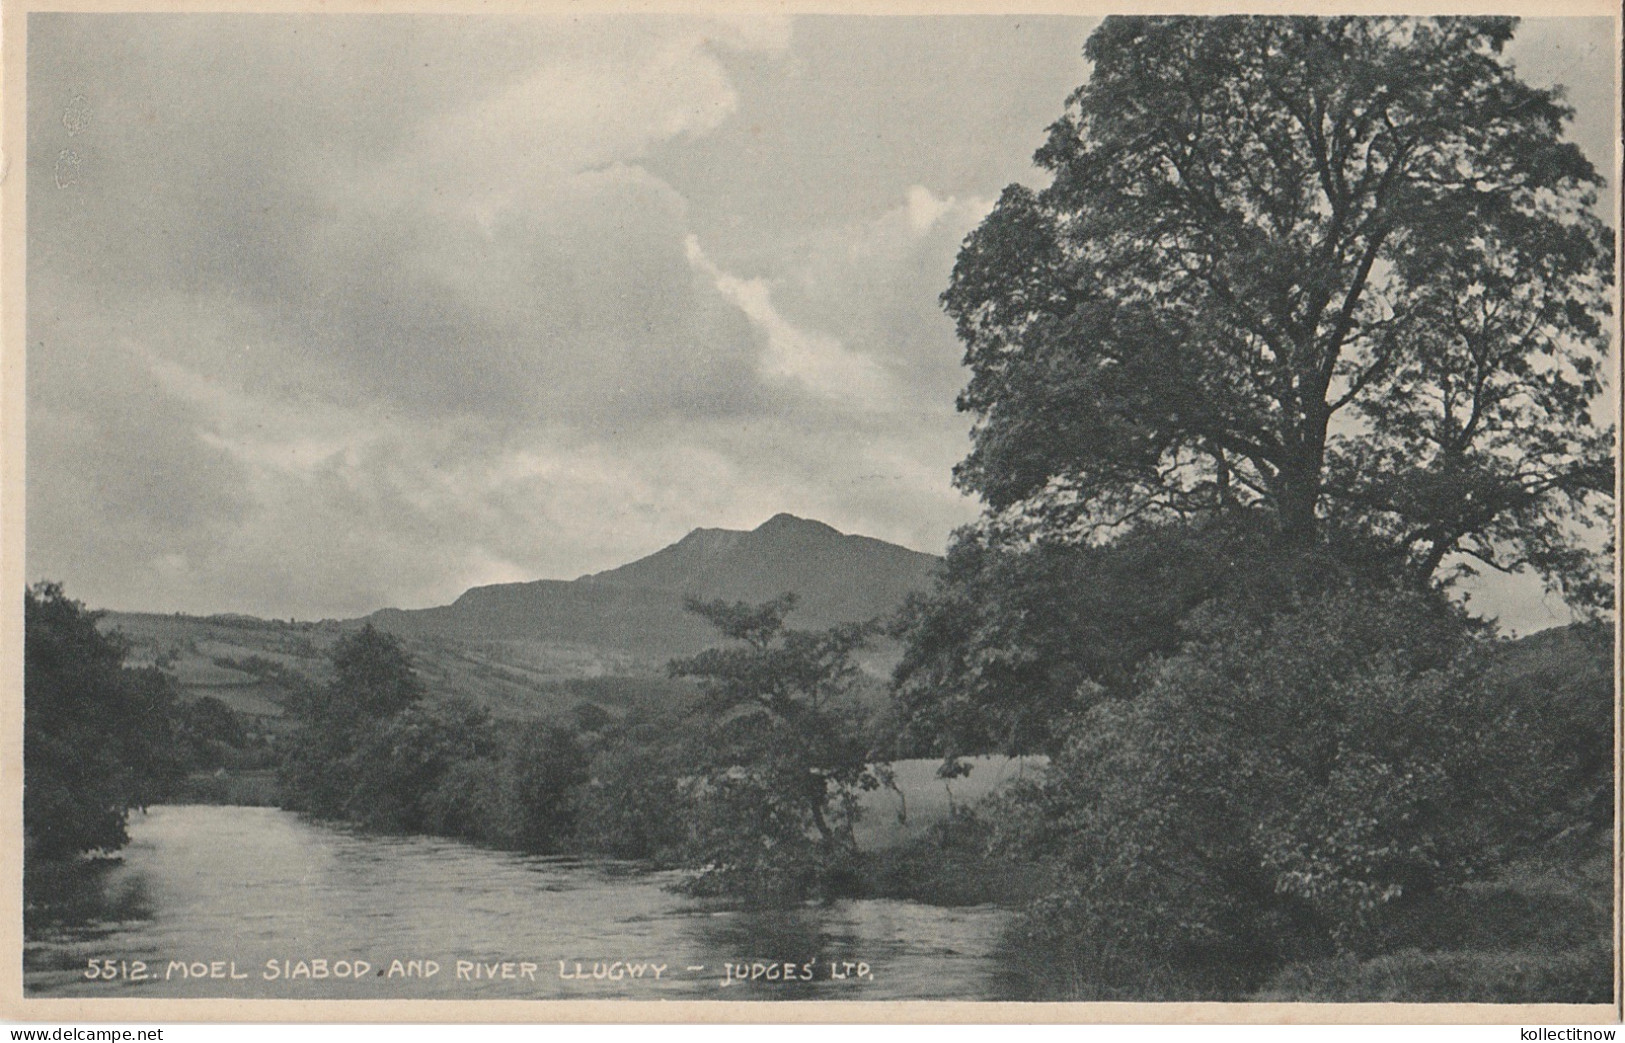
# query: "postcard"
736,512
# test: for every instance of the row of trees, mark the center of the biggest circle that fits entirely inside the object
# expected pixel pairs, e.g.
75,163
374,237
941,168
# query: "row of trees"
102,739
371,749
753,785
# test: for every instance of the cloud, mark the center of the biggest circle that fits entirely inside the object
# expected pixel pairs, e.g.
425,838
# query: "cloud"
924,208
479,253
875,284
361,311
344,310
816,362
384,350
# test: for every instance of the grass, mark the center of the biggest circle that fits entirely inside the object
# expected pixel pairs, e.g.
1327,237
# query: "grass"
898,817
1539,933
1530,975
948,864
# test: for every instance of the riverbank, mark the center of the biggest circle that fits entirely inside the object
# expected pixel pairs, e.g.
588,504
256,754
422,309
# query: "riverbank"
1541,932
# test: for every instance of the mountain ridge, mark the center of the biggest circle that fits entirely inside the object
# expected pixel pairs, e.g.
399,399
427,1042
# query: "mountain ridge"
639,606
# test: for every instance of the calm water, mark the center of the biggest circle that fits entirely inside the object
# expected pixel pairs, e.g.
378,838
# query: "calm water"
224,890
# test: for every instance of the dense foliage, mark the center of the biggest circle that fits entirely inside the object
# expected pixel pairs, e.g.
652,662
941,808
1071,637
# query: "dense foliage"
1016,639
1341,270
208,734
323,766
635,803
371,749
1300,786
97,736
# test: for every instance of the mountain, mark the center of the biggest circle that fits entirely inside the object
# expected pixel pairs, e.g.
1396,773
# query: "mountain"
638,608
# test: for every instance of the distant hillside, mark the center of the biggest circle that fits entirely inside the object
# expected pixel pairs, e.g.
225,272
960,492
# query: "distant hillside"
638,608
543,648
254,666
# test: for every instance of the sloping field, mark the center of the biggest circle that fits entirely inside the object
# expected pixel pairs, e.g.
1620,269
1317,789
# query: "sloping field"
892,817
253,665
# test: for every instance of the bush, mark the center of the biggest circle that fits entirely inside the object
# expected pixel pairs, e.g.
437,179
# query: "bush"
1561,685
318,770
632,804
515,791
543,764
208,734
751,838
950,864
401,760
473,800
1278,789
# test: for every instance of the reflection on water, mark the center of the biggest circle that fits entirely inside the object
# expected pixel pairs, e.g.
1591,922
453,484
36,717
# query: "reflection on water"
228,901
83,896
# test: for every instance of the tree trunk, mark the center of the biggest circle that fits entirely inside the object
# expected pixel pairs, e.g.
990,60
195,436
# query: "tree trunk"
816,806
1295,507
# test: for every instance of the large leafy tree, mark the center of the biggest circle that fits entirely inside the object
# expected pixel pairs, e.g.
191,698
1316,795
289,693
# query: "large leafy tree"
1341,271
1310,318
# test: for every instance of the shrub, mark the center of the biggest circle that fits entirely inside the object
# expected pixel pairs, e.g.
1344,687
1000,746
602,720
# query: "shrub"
751,838
473,800
1278,789
400,761
207,733
543,764
632,803
1560,684
950,864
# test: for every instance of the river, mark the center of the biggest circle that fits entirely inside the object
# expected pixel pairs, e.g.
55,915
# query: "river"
210,901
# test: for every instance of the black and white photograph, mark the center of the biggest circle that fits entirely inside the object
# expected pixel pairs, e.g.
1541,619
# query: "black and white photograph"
552,506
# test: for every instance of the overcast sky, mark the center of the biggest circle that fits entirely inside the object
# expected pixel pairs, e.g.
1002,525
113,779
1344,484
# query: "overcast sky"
330,313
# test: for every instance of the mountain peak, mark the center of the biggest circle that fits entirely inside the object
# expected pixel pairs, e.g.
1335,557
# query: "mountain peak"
638,607
783,522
